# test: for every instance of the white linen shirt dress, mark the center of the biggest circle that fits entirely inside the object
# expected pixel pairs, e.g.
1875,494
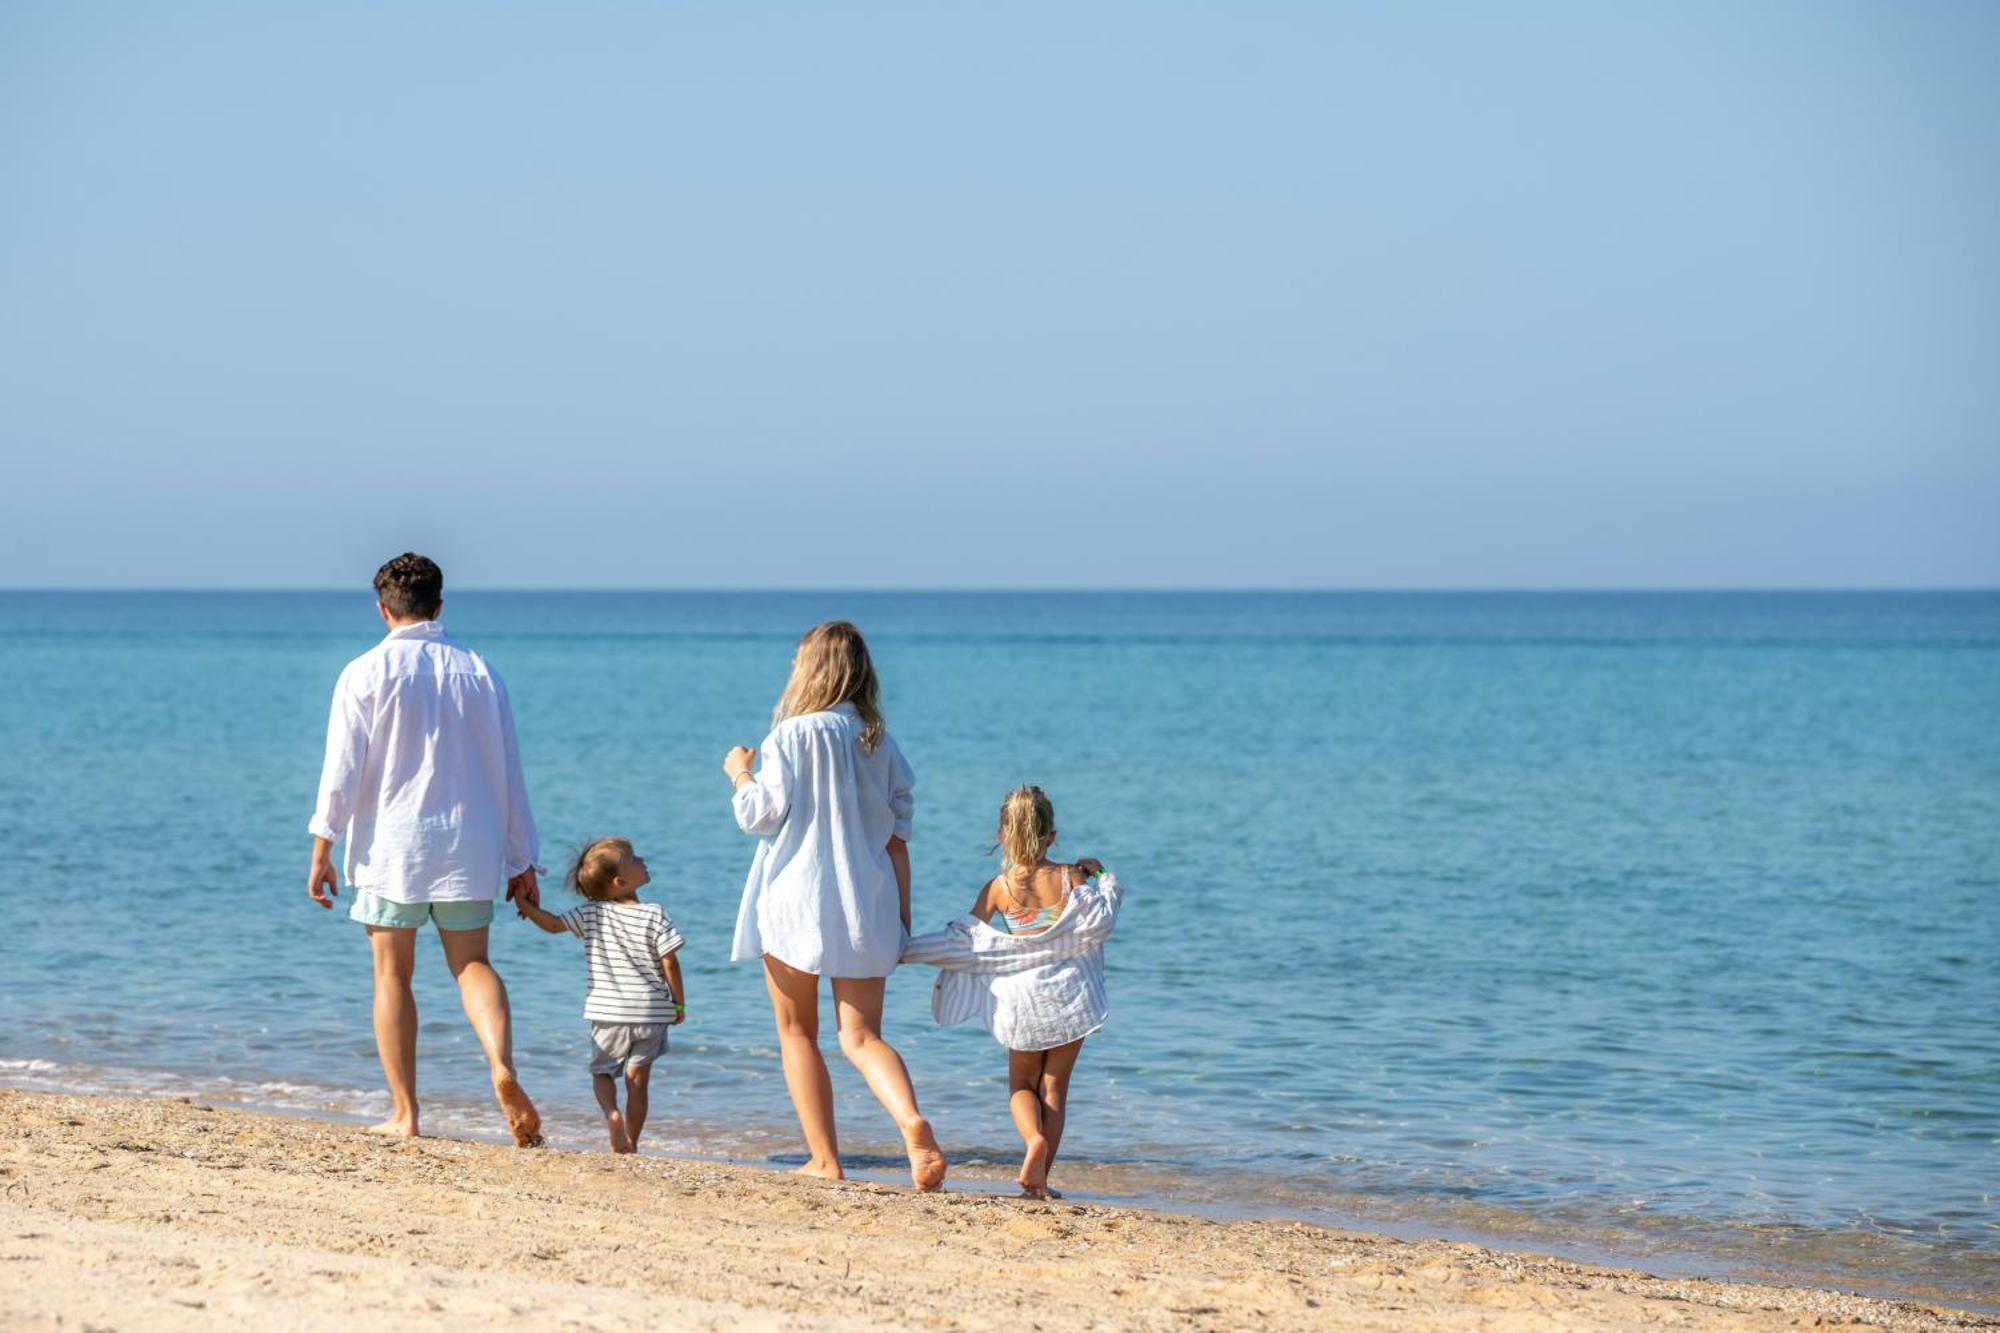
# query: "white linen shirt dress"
1032,992
821,895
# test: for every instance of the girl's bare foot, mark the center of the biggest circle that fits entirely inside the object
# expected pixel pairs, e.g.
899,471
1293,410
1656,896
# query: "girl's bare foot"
1035,1168
523,1121
393,1128
826,1170
926,1162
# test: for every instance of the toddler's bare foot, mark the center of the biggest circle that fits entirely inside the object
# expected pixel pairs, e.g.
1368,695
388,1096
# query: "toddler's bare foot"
1050,1192
523,1121
392,1128
926,1162
1035,1168
620,1140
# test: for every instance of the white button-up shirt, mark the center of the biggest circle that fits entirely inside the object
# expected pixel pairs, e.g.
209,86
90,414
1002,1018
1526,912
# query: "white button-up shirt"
423,775
821,894
1032,992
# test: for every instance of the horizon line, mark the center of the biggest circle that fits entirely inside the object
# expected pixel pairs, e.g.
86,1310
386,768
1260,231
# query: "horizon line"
1033,591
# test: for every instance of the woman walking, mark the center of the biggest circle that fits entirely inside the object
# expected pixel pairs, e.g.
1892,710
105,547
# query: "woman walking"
829,888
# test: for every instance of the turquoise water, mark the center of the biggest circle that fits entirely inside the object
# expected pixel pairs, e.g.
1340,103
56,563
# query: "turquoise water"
1658,926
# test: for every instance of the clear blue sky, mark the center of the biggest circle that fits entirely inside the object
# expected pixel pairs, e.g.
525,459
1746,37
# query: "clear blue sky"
939,295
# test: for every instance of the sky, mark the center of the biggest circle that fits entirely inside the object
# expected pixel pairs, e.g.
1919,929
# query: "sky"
937,295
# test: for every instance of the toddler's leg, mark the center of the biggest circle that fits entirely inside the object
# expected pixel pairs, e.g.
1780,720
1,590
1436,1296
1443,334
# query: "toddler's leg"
1057,1066
636,1081
606,1088
1024,1102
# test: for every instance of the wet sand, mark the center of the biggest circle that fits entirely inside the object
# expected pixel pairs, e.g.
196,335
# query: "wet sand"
119,1213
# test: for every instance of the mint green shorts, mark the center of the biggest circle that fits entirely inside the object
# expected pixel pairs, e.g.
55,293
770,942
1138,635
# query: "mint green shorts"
373,910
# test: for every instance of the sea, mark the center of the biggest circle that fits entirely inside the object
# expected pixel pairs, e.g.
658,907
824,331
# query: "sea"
1655,928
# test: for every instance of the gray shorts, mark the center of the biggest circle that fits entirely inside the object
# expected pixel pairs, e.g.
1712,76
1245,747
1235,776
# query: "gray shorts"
619,1047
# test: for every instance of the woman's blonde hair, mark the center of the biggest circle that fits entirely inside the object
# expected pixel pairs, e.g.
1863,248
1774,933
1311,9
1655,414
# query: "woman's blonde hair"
596,866
831,667
1027,821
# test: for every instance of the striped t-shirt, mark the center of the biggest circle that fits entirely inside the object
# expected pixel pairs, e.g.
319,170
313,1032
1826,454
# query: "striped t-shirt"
624,943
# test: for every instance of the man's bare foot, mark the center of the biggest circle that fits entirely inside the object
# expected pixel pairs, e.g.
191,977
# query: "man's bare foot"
926,1162
393,1128
828,1170
1035,1168
523,1121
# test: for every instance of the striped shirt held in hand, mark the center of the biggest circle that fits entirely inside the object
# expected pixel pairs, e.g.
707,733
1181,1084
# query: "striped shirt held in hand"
623,943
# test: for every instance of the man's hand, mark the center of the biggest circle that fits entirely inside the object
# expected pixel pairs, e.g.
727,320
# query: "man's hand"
525,888
322,885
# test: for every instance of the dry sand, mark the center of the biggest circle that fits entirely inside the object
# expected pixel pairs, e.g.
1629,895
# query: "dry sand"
131,1214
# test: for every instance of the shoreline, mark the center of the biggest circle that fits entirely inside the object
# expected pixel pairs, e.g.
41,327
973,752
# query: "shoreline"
127,1211
1740,1255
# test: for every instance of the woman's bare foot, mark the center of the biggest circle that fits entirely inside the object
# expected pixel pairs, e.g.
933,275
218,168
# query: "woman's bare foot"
393,1128
827,1170
523,1121
1035,1168
926,1162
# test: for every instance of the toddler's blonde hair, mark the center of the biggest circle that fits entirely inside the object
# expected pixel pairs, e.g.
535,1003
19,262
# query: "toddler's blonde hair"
832,667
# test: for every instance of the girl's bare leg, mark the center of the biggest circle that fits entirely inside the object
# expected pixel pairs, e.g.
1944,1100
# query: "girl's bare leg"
795,1008
1057,1066
858,1000
606,1089
1024,1102
395,955
637,1081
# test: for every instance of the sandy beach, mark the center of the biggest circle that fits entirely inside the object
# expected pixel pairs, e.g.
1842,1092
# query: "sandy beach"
127,1214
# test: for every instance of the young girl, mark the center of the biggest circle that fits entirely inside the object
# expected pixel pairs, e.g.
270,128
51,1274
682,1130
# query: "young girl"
1028,962
829,887
635,992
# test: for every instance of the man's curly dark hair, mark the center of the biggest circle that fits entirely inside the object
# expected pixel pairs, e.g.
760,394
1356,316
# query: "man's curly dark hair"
410,585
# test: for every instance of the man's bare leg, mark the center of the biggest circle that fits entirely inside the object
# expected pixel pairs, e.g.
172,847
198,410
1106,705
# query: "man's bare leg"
484,997
395,955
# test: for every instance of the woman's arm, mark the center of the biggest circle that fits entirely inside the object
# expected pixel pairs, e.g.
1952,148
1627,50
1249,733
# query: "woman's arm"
899,857
763,797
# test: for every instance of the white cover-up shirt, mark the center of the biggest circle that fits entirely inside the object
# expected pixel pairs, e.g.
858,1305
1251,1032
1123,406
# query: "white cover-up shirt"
821,894
1032,992
422,775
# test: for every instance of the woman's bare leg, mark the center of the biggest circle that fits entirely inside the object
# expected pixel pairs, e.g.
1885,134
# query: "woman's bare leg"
1057,1066
484,997
606,1088
858,1000
1024,1102
395,955
795,1008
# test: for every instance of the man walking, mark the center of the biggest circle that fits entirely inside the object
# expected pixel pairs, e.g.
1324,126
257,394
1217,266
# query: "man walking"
423,779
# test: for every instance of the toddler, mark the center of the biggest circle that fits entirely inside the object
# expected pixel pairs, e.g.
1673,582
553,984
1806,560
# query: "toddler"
635,992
